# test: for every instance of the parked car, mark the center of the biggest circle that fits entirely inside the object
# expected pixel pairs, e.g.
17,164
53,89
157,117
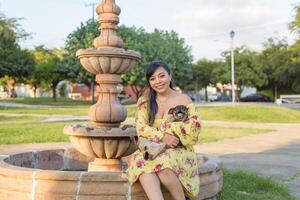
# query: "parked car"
255,98
224,98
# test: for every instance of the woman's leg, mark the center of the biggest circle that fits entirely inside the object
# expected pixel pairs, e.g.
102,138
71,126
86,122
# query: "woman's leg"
150,183
168,178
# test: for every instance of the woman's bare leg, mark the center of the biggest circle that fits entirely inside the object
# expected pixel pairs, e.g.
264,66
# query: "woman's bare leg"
151,185
168,178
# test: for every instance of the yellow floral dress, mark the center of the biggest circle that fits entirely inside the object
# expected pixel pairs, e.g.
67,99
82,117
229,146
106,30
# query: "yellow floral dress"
182,161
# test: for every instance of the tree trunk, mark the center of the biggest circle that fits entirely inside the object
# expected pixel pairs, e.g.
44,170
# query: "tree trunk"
54,84
206,94
136,91
274,92
10,86
34,91
238,92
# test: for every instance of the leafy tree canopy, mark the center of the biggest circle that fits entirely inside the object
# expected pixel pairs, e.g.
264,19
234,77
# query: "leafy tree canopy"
163,45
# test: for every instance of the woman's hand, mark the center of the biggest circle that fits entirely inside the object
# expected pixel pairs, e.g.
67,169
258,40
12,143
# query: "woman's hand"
170,140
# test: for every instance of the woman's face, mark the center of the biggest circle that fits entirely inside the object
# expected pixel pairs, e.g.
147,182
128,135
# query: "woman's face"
160,80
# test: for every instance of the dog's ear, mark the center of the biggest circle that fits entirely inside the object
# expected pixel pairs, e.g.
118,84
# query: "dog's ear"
171,111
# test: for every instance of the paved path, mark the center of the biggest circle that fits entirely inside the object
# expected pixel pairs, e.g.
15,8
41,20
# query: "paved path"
20,105
275,154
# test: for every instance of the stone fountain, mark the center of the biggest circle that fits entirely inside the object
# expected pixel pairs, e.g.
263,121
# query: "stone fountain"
107,142
94,169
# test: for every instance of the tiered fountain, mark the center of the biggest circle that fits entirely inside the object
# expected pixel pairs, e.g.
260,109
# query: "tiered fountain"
108,142
93,171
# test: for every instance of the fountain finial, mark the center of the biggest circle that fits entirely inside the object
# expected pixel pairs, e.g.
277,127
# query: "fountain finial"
108,20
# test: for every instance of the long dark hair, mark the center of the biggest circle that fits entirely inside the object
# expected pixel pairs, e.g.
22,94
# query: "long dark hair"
151,94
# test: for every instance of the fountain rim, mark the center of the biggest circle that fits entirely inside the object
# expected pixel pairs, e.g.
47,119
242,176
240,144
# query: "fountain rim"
102,52
104,132
9,170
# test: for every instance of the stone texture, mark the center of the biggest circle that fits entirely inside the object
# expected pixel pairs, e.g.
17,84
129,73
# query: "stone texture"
23,183
50,160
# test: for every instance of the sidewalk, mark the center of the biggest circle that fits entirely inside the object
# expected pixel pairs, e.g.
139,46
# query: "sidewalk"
275,154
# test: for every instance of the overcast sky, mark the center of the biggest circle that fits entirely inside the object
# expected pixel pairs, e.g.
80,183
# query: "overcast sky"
204,24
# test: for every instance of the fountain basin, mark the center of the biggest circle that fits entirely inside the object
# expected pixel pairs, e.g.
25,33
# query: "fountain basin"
107,60
104,143
62,174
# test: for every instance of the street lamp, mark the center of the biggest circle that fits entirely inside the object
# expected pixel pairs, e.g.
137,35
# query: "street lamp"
232,67
93,9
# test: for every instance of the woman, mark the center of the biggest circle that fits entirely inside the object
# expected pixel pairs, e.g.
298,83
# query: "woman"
176,168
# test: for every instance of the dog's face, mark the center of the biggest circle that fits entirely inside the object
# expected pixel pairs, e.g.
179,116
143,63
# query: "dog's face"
179,113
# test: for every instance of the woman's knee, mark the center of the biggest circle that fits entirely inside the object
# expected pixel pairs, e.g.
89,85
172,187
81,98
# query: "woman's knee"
147,178
166,173
167,176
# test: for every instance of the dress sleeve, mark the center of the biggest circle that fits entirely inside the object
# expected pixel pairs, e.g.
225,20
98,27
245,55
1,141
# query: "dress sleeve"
188,132
142,123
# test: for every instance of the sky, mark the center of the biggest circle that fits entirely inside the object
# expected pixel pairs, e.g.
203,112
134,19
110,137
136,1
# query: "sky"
204,24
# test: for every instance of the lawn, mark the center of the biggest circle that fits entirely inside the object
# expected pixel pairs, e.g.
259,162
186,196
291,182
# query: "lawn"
53,132
240,185
54,110
213,134
251,113
19,119
32,133
260,114
61,101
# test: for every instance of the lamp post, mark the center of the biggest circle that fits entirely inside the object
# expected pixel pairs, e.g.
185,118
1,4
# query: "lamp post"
93,9
232,67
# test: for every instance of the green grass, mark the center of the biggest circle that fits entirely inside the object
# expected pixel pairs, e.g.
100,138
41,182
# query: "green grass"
19,119
53,132
240,185
213,134
32,133
61,101
72,110
260,114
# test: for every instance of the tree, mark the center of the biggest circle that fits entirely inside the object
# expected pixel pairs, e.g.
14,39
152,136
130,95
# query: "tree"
247,70
294,66
162,45
16,64
158,45
294,49
295,24
276,61
81,38
204,73
49,68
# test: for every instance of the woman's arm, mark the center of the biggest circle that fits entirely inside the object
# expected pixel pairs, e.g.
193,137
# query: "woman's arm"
142,123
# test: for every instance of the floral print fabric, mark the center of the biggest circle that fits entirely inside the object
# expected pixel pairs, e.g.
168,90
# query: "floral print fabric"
182,161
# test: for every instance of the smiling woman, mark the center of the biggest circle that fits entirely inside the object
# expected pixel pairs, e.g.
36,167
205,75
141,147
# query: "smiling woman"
176,167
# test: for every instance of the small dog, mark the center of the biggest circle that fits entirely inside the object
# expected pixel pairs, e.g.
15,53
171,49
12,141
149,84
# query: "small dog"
152,149
178,113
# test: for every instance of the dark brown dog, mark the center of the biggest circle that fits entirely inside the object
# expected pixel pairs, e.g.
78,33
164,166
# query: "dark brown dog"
179,113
